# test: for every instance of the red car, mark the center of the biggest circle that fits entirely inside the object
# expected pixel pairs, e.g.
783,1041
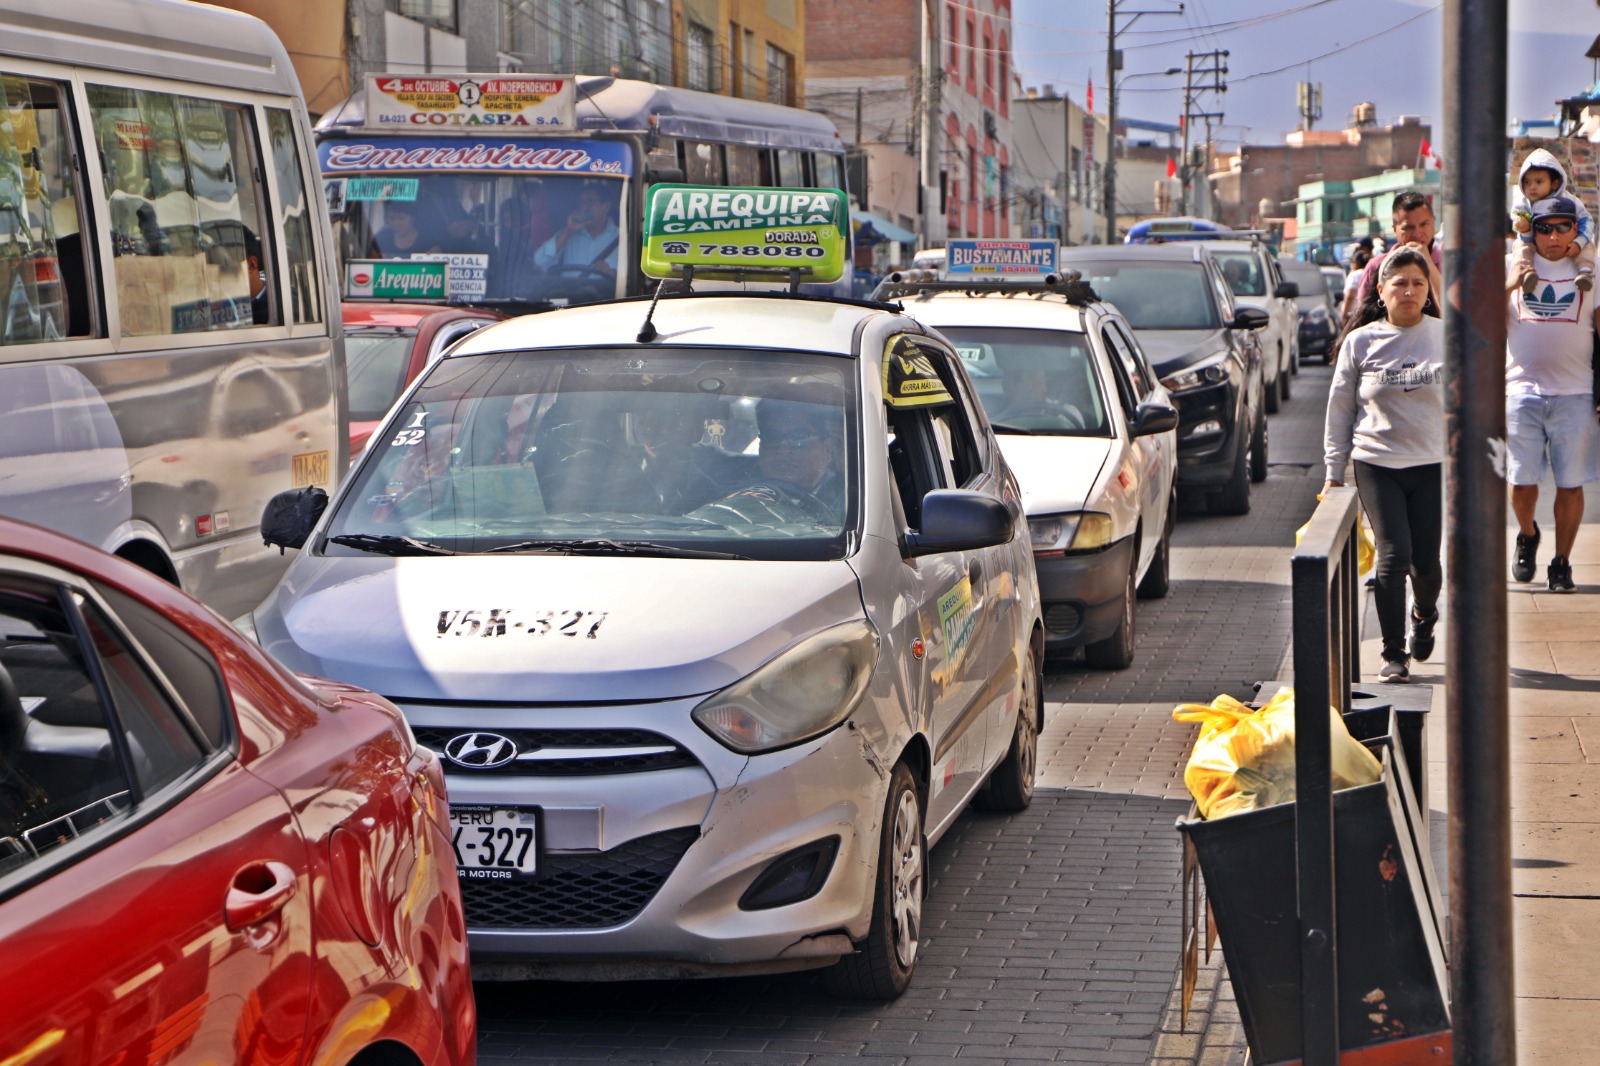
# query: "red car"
386,345
204,858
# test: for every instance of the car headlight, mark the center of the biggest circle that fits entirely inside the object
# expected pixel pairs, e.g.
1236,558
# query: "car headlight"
802,693
1316,315
246,624
1058,534
1207,371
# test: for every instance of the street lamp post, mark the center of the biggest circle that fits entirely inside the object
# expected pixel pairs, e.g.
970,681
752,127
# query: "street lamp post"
1115,87
1114,64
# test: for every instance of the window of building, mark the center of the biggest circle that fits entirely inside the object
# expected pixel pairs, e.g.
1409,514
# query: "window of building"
701,47
736,61
440,13
972,53
1005,77
780,76
953,30
988,60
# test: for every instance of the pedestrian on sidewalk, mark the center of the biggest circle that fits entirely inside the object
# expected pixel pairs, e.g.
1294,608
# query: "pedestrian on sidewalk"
1550,408
1386,411
1414,227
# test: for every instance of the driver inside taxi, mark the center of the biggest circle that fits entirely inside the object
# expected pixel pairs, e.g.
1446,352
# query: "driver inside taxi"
797,464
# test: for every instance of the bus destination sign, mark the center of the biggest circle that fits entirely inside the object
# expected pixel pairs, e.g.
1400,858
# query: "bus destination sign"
1017,259
723,231
472,102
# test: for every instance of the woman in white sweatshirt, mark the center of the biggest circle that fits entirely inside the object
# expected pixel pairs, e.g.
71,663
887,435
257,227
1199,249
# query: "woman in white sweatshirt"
1386,412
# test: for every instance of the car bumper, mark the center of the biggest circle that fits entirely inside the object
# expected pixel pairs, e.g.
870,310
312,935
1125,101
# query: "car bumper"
641,874
1081,595
1315,341
1208,428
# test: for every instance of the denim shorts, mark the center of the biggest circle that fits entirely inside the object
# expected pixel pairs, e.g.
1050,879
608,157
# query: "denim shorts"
1563,427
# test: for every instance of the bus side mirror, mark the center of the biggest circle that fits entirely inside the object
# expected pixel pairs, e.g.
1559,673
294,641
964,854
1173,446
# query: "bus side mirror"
290,516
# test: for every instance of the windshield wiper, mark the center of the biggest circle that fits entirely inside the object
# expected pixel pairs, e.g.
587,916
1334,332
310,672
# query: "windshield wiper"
605,546
389,545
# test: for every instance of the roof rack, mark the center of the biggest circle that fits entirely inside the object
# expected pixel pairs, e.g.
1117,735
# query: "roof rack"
1068,284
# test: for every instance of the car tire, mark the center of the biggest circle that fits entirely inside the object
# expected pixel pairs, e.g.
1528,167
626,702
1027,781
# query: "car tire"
1010,786
1158,577
882,966
1234,497
1284,382
1269,392
1258,452
1116,651
1294,361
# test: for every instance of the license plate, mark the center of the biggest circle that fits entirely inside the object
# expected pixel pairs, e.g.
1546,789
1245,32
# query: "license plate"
495,843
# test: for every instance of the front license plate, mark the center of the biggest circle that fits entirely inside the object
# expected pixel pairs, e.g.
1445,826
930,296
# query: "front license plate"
495,843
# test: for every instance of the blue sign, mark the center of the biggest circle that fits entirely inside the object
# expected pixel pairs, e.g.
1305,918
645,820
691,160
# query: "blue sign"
1001,258
520,155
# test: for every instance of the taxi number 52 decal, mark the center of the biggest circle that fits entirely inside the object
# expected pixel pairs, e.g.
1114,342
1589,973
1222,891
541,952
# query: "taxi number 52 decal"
503,622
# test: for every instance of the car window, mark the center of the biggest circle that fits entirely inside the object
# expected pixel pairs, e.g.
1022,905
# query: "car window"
1124,370
1154,295
376,364
86,732
183,661
1243,271
750,452
1224,294
1038,380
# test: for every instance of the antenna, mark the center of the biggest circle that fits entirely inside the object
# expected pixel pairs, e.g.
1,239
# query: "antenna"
647,332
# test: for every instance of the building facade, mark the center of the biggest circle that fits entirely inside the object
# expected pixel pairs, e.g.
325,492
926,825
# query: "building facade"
1050,129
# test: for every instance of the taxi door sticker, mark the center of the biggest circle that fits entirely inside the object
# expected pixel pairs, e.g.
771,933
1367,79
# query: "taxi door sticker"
956,623
909,377
1552,301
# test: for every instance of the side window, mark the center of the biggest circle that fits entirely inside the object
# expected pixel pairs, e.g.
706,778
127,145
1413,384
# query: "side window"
188,667
1119,374
744,164
1223,294
43,270
1143,374
791,168
185,212
1127,367
915,460
702,163
295,218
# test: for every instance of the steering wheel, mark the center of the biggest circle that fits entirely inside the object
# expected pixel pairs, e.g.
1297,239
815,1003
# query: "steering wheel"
1059,415
582,272
771,490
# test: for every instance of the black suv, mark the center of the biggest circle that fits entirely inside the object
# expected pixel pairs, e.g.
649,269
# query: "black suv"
1205,351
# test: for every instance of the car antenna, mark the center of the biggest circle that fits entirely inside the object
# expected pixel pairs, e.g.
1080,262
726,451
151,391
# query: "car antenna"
647,332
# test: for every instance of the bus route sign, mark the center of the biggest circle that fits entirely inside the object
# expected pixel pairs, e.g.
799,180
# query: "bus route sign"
723,231
542,103
1014,259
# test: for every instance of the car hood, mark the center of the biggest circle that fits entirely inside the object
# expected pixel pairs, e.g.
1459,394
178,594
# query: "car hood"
541,629
1173,349
1056,473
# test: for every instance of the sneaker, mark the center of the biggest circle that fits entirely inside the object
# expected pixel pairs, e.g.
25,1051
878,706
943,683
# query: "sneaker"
1530,281
1422,635
1394,672
1560,572
1584,280
1527,555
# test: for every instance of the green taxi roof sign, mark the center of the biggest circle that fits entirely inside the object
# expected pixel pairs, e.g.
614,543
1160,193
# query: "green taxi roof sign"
730,232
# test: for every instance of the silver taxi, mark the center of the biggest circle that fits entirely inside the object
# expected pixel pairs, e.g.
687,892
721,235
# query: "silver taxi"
718,624
1091,434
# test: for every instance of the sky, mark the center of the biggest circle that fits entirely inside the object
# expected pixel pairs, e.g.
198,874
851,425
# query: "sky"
1387,51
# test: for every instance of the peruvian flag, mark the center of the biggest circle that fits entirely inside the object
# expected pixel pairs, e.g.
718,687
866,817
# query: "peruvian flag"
1426,155
1172,168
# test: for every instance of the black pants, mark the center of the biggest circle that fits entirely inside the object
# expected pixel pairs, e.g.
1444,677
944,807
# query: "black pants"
1406,509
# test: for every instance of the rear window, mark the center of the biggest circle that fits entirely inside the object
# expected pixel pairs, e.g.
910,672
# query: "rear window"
1243,271
1154,295
377,361
1038,380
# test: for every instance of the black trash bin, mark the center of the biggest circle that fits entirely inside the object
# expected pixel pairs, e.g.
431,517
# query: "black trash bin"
1393,986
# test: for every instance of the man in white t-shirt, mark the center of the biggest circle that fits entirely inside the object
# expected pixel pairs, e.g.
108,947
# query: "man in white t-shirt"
1550,403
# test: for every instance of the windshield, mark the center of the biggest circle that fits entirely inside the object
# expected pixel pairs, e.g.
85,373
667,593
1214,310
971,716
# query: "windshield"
1154,295
376,362
1039,380
1243,271
702,450
507,238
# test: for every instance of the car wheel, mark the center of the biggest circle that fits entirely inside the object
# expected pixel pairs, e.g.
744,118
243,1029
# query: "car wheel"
1269,392
1284,383
1010,786
1294,361
1234,497
1258,453
1158,578
1116,651
881,969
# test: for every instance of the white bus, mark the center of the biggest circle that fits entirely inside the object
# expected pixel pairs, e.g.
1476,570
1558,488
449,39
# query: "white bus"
169,350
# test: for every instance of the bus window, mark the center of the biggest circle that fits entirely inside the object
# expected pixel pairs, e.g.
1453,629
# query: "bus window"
791,168
185,212
295,219
829,169
43,284
702,163
744,164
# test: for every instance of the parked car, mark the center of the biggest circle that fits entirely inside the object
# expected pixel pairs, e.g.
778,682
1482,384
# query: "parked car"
386,345
729,618
1253,274
202,856
1203,349
1319,319
1092,436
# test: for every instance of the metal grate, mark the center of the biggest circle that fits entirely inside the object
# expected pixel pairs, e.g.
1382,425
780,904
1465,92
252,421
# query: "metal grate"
580,890
568,752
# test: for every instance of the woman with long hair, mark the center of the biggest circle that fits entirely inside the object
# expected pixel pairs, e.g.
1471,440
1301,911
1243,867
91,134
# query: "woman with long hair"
1386,411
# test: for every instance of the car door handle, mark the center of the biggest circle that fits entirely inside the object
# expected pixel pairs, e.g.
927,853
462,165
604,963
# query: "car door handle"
259,891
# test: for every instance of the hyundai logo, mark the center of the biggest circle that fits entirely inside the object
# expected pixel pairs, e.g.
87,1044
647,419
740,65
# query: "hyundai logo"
480,751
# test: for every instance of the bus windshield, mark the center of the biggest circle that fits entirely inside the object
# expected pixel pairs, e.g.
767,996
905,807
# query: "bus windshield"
507,238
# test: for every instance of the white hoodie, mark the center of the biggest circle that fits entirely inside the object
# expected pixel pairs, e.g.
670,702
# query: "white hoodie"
1521,207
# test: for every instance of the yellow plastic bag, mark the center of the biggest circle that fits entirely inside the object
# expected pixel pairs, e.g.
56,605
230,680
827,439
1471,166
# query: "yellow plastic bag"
1366,551
1244,759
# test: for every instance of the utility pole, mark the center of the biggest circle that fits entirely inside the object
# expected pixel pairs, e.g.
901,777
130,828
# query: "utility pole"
1191,93
1114,64
1066,169
928,176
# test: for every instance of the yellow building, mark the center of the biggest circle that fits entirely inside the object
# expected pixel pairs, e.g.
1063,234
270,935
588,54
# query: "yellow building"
314,34
749,48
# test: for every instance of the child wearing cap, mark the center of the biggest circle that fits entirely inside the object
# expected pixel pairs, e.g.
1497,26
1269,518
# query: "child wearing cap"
1542,190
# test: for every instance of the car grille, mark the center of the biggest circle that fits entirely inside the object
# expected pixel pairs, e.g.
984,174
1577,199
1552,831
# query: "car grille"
1062,618
580,890
567,752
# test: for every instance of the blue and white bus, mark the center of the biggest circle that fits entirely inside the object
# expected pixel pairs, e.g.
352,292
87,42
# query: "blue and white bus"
527,218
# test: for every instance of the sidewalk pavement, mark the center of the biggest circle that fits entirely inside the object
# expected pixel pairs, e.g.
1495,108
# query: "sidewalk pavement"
1554,655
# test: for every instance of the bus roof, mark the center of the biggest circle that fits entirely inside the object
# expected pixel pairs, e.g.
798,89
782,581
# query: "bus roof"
163,38
606,103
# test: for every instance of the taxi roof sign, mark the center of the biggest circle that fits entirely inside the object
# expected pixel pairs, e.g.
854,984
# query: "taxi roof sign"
734,232
1028,258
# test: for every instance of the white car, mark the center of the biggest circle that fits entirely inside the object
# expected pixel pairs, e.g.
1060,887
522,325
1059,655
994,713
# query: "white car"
1257,281
1092,436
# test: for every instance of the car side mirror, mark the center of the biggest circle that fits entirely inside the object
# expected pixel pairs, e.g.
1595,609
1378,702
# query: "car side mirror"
1250,318
1287,289
1154,418
960,520
290,516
